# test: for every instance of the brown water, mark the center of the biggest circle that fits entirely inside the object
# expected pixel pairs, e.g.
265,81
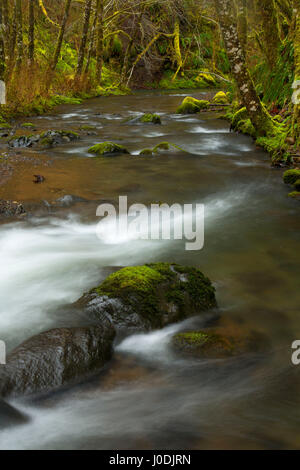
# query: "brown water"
148,398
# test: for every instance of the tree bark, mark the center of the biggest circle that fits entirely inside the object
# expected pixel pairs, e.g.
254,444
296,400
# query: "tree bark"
242,12
19,22
61,34
100,37
86,22
260,118
92,38
31,31
296,85
2,52
270,30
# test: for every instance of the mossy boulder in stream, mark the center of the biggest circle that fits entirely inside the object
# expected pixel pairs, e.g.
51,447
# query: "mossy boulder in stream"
108,149
150,118
161,147
150,296
50,139
55,358
291,176
192,106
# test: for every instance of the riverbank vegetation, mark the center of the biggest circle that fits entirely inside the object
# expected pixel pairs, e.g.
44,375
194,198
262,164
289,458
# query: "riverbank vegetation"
54,52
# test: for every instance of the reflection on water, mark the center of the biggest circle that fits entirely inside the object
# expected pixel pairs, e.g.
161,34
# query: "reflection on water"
149,395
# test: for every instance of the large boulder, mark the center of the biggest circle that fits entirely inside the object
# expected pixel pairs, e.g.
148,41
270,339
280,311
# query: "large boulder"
192,106
55,358
149,297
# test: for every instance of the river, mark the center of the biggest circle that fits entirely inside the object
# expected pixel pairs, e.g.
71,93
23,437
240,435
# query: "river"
148,398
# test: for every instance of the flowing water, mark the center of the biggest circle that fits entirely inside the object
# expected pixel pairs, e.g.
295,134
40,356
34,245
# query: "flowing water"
147,397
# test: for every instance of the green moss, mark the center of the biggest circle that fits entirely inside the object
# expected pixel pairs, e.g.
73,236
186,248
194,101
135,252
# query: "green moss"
146,152
204,343
28,125
238,116
192,106
151,118
87,128
246,127
5,125
107,148
164,146
297,184
206,79
291,176
152,287
295,195
220,98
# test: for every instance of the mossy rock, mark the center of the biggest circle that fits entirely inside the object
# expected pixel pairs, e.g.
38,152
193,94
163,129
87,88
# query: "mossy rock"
146,152
191,105
246,127
5,126
206,79
240,115
220,98
150,296
52,138
295,195
297,185
291,176
107,149
222,341
150,119
28,125
87,128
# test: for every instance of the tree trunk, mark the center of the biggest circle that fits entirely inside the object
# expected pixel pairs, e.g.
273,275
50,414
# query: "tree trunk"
86,22
6,25
61,35
13,34
260,118
2,52
296,85
242,12
19,33
134,34
31,31
100,34
270,30
92,39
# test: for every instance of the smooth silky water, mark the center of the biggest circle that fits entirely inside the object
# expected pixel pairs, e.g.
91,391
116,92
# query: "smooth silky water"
146,397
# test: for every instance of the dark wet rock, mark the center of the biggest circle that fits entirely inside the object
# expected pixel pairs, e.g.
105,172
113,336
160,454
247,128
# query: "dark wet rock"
11,208
56,358
150,296
10,416
39,179
24,141
53,138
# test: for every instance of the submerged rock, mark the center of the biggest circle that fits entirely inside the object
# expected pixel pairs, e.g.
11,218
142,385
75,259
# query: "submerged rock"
150,118
24,141
222,341
11,208
10,416
53,138
192,106
150,296
55,358
107,149
161,147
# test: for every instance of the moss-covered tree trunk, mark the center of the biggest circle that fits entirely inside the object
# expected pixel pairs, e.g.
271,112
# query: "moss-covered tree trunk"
13,34
31,31
100,41
2,52
61,34
84,37
270,30
296,85
242,12
260,118
92,37
20,45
